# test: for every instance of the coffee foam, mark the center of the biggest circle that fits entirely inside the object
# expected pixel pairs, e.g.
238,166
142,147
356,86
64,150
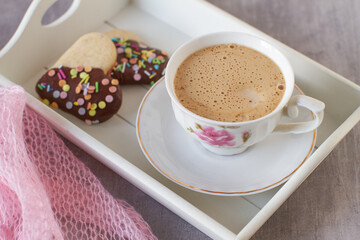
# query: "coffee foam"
229,83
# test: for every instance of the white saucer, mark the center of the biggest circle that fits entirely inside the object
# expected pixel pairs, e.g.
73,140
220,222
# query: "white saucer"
183,160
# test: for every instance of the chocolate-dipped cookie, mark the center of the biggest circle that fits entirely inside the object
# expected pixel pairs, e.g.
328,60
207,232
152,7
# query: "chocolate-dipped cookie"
84,92
78,83
137,63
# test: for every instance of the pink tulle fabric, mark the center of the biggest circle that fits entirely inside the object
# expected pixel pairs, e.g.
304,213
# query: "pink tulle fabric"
45,191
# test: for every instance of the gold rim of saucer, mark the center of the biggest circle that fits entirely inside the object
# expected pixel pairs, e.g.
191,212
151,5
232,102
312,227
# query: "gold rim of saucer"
205,190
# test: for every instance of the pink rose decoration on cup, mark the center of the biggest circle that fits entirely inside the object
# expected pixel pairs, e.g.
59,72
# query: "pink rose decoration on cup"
217,137
214,137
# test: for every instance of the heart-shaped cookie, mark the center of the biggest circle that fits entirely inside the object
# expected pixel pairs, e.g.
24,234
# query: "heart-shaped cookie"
137,63
84,91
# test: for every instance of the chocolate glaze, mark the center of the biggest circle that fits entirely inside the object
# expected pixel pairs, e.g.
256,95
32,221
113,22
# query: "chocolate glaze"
143,65
95,106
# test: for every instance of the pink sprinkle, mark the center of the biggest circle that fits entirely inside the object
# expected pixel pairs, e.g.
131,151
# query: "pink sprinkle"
80,101
112,89
59,75
51,73
109,98
137,77
62,73
105,81
120,50
63,95
135,47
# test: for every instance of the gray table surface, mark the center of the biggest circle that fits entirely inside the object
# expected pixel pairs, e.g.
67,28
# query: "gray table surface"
327,204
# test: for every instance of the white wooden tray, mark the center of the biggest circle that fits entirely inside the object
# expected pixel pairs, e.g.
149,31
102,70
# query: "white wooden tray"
166,25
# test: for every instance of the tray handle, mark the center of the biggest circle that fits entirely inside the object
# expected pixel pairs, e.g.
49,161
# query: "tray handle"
34,46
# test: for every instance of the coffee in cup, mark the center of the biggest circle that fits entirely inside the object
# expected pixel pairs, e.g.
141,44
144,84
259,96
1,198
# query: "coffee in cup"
229,83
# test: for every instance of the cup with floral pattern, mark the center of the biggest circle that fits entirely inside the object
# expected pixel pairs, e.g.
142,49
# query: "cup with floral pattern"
228,138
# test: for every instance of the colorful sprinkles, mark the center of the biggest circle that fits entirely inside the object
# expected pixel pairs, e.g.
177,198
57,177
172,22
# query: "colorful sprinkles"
68,81
139,62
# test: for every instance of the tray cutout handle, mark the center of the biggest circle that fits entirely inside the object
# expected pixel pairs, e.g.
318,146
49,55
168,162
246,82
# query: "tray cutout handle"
34,46
71,7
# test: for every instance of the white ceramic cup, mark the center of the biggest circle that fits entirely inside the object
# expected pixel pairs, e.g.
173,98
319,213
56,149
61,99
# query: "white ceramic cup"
228,138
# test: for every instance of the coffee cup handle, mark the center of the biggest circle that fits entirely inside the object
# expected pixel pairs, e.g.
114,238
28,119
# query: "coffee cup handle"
315,106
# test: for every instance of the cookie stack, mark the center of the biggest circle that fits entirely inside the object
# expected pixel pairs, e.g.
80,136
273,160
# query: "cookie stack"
86,79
